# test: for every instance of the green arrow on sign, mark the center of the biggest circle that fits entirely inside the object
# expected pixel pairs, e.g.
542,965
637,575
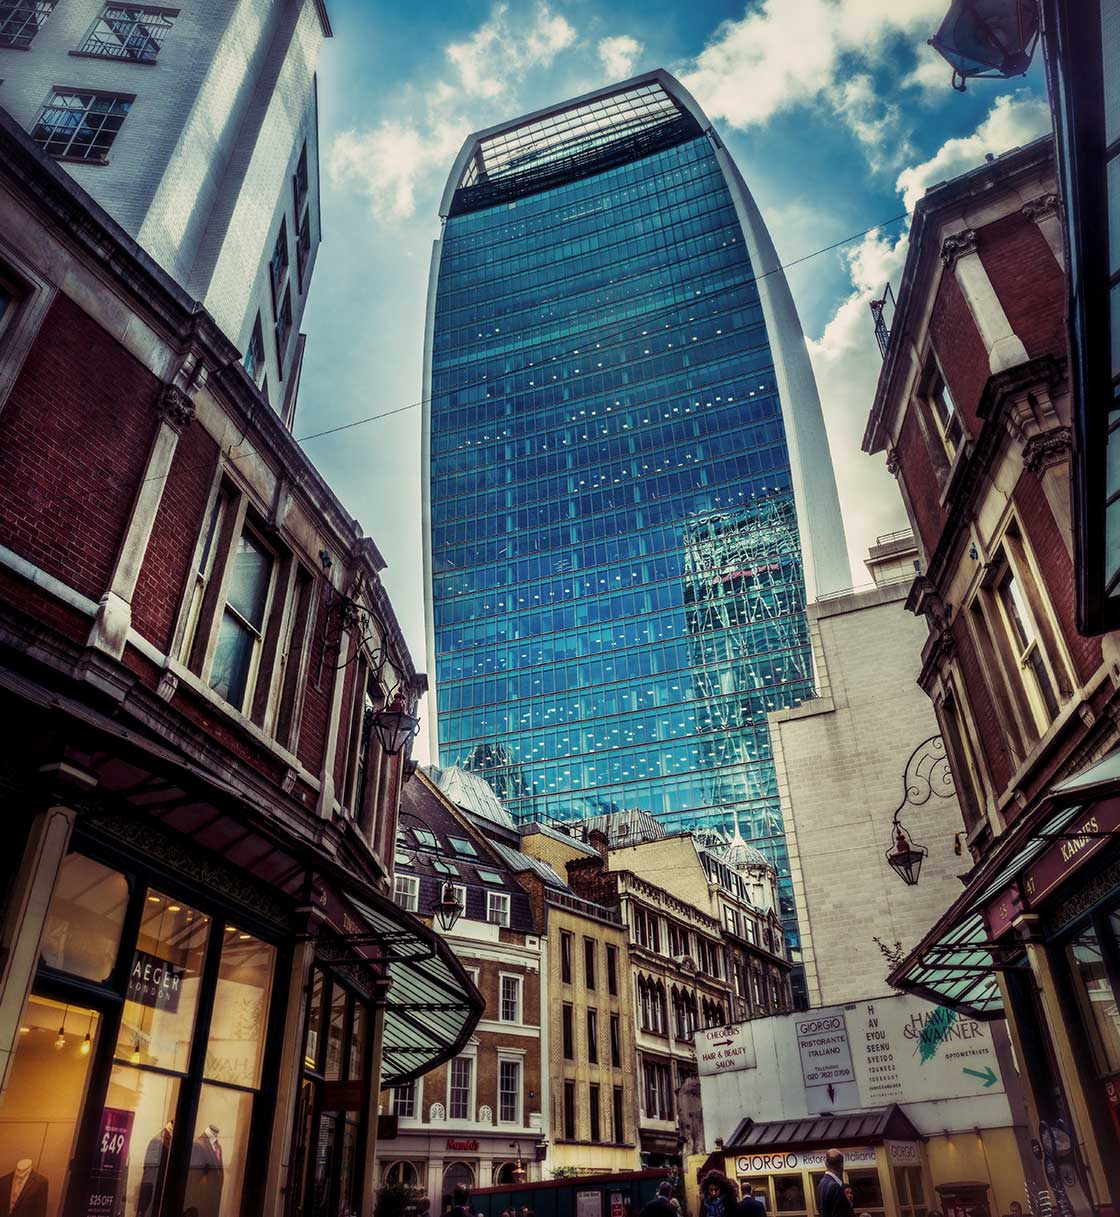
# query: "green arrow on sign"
988,1077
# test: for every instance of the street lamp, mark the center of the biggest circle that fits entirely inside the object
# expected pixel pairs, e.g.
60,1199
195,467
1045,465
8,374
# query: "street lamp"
447,909
987,38
905,856
395,726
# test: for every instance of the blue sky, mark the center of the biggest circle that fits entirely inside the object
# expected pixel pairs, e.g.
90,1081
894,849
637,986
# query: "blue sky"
836,111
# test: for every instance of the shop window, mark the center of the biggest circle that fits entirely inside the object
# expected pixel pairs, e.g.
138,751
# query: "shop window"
336,1034
314,1021
1096,998
157,1023
456,1173
139,1115
911,1191
83,928
235,1048
789,1194
44,1096
868,1191
503,1176
403,1174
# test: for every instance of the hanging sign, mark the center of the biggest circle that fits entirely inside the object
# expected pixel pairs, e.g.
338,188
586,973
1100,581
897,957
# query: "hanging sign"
110,1163
826,1057
724,1049
155,982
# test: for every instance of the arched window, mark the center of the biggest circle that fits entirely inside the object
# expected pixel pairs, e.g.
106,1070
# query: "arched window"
456,1173
660,1010
504,1173
404,1173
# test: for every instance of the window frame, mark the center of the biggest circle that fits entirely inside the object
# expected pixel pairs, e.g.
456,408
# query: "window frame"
468,1059
86,50
516,1060
518,982
65,156
498,900
592,1021
589,964
413,899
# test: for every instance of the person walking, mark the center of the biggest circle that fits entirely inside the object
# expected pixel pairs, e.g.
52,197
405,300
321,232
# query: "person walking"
720,1196
660,1205
831,1200
750,1205
461,1201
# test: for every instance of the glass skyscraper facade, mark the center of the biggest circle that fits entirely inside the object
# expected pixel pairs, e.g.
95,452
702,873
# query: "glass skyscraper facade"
616,518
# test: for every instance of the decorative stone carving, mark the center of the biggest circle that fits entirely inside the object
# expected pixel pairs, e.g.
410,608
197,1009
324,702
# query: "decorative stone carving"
485,1114
1038,209
176,408
1049,448
893,462
436,1113
168,685
959,245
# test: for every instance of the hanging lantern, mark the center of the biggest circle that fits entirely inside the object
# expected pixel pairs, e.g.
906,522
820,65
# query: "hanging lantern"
447,909
905,856
986,38
519,1174
395,726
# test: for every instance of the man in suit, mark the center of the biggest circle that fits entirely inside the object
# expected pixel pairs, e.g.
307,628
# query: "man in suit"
750,1205
23,1192
831,1201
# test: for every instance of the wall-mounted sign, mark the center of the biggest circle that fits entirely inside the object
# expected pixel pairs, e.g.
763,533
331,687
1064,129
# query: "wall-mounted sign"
724,1049
1083,839
999,914
466,1147
822,1040
589,1204
797,1159
904,1153
155,982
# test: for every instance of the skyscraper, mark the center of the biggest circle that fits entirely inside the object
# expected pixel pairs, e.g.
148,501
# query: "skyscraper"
197,130
628,489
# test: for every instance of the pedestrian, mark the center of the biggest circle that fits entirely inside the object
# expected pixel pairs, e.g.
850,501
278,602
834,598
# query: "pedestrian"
752,1206
720,1196
850,1194
831,1201
660,1205
461,1201
526,1211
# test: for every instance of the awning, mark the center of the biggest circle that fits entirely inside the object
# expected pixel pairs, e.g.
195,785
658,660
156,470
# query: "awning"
868,1127
958,962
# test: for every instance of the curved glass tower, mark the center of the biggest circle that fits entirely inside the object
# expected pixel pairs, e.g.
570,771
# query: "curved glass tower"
628,490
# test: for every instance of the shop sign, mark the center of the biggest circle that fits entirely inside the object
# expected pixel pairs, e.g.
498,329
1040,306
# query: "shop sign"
465,1147
588,1204
346,922
618,1205
797,1159
904,1153
109,1173
155,982
1000,913
826,1057
1083,840
724,1049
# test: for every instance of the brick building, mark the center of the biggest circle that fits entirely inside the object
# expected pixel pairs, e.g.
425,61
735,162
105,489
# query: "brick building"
481,1116
197,129
200,771
973,410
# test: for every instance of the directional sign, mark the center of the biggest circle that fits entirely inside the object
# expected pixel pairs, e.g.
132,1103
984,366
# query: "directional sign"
725,1049
988,1076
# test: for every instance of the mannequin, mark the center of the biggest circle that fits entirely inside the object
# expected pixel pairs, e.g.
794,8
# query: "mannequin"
23,1192
155,1172
206,1175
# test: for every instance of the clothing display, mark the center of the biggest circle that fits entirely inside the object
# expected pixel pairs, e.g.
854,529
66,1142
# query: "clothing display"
206,1176
23,1192
154,1174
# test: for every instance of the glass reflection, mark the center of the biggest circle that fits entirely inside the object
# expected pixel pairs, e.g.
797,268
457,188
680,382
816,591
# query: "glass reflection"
240,1017
83,928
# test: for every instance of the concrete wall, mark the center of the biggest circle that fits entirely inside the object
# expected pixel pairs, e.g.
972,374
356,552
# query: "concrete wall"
840,761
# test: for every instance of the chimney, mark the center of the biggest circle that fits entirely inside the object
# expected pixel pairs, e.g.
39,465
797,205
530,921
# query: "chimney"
600,840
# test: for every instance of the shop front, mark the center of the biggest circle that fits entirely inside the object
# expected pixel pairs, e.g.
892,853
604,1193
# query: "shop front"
783,1161
206,1019
1035,938
432,1164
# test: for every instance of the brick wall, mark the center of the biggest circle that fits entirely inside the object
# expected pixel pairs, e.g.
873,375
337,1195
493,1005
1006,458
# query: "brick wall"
1028,281
68,476
960,349
922,488
317,695
991,743
171,549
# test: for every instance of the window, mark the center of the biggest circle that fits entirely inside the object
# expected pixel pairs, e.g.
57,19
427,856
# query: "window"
509,1091
589,962
497,908
962,760
618,1125
570,1110
510,1006
595,1112
278,265
1020,627
789,1192
303,249
203,570
237,651
299,181
1093,989
647,930
567,1033
911,1191
565,957
942,410
403,1173
488,876
658,1090
616,1042
402,1101
731,920
424,837
462,846
459,1088
254,355
80,126
593,1037
128,32
20,21
283,324
444,867
461,896
406,892
612,971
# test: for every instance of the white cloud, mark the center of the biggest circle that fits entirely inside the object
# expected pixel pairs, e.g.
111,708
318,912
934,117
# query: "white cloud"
618,55
873,122
502,49
786,53
1014,119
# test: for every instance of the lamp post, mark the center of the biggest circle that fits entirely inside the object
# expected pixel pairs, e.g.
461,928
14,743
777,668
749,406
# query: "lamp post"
987,38
447,910
905,856
395,726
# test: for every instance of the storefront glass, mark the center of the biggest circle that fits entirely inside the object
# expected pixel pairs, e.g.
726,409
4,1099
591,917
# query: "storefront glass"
84,922
218,1152
789,1194
235,1048
911,1191
1096,997
868,1191
143,1106
45,1093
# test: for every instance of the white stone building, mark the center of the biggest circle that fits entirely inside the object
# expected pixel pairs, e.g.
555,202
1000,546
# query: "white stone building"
196,128
845,761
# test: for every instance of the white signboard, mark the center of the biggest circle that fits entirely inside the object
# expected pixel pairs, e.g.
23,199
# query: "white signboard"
822,1041
588,1204
761,1162
724,1049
